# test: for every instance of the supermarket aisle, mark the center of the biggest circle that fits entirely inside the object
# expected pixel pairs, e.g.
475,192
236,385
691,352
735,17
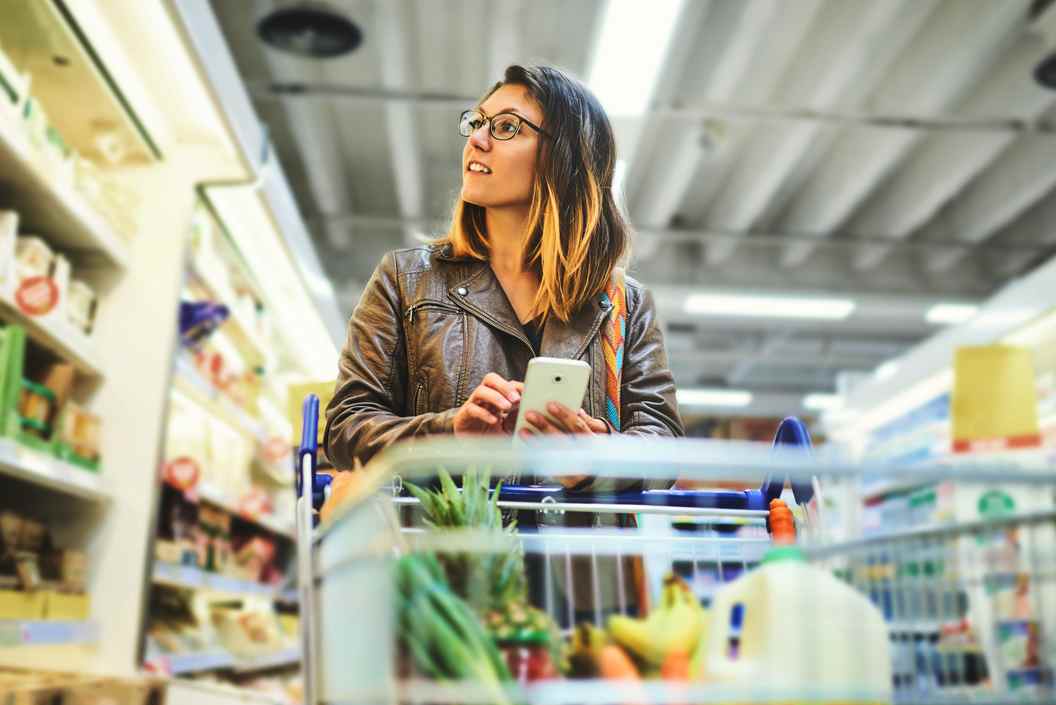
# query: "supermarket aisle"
842,211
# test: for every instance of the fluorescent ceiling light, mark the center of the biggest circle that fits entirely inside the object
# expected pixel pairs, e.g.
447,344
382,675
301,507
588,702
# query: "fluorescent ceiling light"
822,402
714,397
629,52
886,370
768,306
946,314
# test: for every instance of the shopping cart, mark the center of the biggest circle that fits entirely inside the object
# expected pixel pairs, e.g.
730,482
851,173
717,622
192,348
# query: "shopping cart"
968,600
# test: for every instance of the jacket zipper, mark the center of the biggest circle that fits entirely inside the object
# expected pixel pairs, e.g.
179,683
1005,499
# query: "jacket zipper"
519,335
429,304
418,399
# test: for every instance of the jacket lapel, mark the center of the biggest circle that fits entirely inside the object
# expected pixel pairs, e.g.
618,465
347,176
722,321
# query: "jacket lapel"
570,340
477,290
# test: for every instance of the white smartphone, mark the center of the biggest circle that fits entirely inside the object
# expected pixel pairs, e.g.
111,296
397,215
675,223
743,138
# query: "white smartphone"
552,379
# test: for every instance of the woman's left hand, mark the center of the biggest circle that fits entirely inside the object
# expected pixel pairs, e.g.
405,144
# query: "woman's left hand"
565,422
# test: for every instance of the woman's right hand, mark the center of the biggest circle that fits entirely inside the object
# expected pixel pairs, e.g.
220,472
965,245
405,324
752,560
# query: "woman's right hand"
490,409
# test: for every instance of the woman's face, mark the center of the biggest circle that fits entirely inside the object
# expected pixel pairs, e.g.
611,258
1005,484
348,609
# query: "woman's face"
511,163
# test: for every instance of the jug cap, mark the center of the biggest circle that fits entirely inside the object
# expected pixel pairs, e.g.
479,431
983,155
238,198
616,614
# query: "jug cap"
783,553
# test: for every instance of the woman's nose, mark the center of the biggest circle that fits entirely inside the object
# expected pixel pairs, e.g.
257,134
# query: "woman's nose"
481,137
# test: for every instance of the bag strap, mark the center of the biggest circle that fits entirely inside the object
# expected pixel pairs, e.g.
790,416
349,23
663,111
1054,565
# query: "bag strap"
612,344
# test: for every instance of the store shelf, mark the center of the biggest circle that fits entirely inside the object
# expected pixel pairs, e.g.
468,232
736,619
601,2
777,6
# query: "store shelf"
55,334
212,495
196,579
36,36
45,633
50,207
193,385
183,664
46,471
186,664
241,331
886,488
289,657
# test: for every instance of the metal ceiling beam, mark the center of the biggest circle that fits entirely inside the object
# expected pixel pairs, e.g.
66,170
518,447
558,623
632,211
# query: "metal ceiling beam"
942,62
1036,225
636,136
396,73
753,238
677,109
945,163
1018,179
850,47
675,162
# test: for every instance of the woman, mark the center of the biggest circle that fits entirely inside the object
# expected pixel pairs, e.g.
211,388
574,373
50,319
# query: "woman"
442,336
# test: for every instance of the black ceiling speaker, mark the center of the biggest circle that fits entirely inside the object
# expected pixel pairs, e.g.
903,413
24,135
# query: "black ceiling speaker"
1045,71
310,29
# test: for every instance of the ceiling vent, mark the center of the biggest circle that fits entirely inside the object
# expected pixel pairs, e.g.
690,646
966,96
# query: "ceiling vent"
311,30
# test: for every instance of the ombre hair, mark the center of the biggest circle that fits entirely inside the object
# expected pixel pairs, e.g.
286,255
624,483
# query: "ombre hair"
575,234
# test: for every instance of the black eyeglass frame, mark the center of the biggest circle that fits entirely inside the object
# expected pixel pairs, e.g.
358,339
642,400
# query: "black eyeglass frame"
491,124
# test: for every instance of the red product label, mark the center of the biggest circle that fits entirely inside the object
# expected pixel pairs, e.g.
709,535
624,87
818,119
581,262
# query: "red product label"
37,296
182,473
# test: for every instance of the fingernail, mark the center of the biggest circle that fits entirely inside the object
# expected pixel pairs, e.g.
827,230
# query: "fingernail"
515,397
553,408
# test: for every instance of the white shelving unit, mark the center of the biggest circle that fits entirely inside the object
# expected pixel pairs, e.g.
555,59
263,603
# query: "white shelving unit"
14,633
115,75
194,386
186,664
43,470
213,496
241,330
56,335
53,206
192,578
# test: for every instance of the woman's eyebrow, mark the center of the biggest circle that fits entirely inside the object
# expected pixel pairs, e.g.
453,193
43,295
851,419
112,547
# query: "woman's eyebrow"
515,111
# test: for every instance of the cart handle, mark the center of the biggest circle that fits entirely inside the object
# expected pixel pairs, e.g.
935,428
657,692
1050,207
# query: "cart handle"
791,433
309,447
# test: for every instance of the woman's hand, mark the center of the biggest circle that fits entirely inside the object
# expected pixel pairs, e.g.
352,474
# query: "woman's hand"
565,422
490,409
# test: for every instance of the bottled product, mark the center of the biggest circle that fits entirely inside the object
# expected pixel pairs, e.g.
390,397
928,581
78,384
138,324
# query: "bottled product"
794,630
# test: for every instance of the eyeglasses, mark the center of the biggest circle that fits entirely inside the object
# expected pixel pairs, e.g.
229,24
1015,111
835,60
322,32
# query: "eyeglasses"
503,126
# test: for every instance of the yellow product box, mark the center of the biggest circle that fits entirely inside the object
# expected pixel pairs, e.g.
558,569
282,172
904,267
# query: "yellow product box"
19,604
290,624
66,606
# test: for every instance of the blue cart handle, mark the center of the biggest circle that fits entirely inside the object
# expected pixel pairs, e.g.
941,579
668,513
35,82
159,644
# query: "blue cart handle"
791,433
308,450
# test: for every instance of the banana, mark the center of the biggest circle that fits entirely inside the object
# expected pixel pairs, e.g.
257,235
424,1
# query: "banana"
585,647
675,625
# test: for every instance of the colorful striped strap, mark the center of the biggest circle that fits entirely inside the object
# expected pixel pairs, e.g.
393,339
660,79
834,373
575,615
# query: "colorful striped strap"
612,344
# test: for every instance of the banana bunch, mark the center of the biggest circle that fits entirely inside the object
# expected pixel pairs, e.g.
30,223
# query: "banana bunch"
585,647
676,625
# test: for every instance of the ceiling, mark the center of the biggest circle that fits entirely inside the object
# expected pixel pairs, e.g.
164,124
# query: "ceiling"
897,152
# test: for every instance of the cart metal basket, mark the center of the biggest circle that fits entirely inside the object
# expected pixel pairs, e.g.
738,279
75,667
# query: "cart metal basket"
964,582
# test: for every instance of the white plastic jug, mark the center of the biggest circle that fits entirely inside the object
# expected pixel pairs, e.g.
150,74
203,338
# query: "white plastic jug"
791,631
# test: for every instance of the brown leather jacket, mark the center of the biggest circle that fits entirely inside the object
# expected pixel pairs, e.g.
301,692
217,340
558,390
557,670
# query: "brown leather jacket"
430,326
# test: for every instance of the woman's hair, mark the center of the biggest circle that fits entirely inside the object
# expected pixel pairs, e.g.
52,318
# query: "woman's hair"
575,234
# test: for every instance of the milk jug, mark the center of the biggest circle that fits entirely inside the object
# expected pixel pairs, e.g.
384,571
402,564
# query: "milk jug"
792,631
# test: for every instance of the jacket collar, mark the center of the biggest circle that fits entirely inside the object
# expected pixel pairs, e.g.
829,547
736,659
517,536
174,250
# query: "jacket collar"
477,290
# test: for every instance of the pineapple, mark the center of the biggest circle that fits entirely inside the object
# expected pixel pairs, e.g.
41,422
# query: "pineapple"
494,584
489,581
